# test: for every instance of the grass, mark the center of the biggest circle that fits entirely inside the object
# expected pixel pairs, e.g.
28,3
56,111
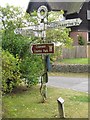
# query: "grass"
81,75
27,104
74,61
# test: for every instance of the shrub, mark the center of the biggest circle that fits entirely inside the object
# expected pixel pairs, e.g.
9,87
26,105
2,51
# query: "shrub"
81,40
31,68
10,72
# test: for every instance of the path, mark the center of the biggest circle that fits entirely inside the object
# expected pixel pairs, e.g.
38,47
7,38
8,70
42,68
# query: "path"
75,83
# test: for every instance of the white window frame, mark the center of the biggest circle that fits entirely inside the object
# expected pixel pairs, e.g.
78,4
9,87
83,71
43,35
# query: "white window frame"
88,14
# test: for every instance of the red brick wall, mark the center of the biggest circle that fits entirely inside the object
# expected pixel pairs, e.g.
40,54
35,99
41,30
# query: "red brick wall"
74,36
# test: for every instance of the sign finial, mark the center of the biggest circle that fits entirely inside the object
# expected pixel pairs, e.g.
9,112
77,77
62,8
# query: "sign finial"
42,12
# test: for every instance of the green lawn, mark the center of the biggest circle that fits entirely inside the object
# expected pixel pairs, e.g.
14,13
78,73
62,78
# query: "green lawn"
74,61
27,104
68,74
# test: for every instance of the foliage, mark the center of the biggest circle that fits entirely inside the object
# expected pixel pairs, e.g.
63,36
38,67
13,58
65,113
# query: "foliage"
55,34
81,40
59,35
31,66
19,45
10,71
12,17
13,43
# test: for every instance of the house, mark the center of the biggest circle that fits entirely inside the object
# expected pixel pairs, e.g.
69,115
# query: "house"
72,10
83,29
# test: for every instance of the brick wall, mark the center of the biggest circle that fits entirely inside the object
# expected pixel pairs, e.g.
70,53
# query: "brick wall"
74,36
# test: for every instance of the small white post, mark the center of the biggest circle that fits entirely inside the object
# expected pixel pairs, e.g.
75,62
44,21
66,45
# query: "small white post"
61,107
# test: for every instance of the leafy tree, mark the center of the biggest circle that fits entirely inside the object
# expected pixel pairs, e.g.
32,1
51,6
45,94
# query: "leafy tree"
19,45
12,18
58,35
31,66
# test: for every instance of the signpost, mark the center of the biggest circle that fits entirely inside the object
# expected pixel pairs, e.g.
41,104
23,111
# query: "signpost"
45,48
36,30
42,48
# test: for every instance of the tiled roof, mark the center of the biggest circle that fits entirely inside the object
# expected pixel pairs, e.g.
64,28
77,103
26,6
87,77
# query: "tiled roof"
55,5
35,4
70,7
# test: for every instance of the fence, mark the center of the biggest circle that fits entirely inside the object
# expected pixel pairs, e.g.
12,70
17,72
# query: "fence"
88,51
75,52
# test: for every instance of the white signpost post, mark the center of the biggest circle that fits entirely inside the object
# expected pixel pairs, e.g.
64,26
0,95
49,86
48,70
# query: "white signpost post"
39,31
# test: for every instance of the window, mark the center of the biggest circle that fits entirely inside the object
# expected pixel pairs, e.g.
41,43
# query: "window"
88,14
89,36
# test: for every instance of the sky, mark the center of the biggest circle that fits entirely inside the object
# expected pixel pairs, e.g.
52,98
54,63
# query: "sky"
21,3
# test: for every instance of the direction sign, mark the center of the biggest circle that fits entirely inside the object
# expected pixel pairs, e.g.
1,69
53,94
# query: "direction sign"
42,48
36,30
24,31
28,32
31,28
65,23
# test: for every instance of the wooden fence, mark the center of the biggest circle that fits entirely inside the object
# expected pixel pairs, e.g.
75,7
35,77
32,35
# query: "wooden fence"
75,52
88,51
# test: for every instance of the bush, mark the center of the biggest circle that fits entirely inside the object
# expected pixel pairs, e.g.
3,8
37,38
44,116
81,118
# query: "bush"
10,72
31,68
81,40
